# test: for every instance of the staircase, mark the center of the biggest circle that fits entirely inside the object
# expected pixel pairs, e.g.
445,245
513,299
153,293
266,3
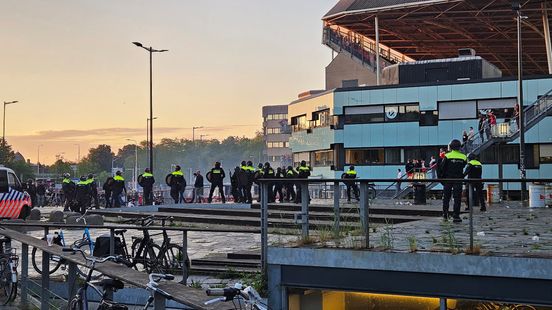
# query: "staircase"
508,132
360,48
409,189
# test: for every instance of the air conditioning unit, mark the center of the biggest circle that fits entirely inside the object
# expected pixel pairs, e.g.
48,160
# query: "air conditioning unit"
466,52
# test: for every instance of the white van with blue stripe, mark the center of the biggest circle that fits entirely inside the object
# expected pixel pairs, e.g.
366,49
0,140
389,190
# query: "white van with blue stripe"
14,201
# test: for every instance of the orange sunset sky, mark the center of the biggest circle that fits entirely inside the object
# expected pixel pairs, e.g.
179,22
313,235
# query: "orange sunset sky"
79,79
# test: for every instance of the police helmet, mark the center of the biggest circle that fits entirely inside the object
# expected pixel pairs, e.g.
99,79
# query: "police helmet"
90,176
472,156
303,163
243,163
455,145
217,164
352,167
83,178
118,172
250,163
260,165
147,170
66,175
177,168
289,168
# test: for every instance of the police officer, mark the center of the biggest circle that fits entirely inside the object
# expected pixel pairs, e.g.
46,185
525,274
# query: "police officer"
452,167
351,174
290,191
68,189
279,185
268,173
108,190
118,188
250,174
235,184
82,195
474,170
243,180
178,183
93,189
303,172
146,180
217,179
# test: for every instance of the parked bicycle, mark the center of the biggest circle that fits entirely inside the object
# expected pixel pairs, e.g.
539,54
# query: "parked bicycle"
241,298
153,287
101,287
8,271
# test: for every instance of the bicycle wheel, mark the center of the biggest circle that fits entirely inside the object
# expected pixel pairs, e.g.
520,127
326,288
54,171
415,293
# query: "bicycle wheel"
147,258
174,259
7,287
84,245
75,304
55,262
371,193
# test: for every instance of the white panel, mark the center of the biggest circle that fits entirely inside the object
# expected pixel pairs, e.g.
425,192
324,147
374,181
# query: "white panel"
496,104
363,110
457,110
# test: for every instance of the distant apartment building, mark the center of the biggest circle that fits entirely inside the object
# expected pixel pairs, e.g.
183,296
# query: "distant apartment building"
276,135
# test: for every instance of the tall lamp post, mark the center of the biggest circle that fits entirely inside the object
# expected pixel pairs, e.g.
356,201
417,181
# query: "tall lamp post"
516,6
4,122
193,132
151,50
78,156
147,135
38,160
135,177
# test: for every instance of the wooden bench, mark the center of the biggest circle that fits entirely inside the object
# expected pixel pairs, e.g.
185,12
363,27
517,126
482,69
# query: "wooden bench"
183,294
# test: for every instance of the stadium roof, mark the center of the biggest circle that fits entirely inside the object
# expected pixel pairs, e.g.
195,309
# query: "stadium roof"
428,29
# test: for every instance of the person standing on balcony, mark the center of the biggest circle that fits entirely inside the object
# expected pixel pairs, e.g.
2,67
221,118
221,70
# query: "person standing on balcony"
481,127
474,170
452,167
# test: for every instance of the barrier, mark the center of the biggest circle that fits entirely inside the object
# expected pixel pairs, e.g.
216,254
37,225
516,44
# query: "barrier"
536,196
548,193
493,193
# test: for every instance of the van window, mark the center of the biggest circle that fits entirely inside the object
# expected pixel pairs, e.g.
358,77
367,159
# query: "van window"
13,182
3,179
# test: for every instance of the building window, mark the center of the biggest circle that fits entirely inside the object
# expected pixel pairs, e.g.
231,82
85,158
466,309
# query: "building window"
457,110
364,156
510,155
299,123
298,157
323,158
429,118
546,153
364,115
402,113
394,156
273,131
277,116
321,118
271,145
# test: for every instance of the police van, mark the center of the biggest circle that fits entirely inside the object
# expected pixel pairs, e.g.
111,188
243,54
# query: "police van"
15,202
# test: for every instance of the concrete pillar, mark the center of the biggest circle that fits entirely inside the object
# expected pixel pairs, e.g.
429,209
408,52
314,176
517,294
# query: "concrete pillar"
378,69
546,30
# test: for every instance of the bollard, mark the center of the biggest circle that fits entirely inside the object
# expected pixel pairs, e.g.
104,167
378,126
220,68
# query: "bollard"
365,213
470,205
45,293
264,227
158,301
24,273
337,212
185,271
305,210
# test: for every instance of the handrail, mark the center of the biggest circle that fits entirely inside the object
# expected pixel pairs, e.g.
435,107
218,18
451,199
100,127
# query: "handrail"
417,180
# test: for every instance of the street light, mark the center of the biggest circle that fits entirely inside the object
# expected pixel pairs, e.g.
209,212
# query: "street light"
135,177
38,160
147,134
201,137
516,6
193,132
78,157
4,122
151,50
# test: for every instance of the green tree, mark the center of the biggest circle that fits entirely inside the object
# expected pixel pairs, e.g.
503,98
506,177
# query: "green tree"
98,159
8,159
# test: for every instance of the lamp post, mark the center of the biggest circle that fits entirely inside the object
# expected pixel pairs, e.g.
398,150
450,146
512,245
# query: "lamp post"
135,176
147,135
38,160
193,132
78,156
516,6
201,137
151,50
4,121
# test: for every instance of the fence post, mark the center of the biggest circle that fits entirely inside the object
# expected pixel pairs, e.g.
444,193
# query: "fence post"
264,226
158,301
337,213
111,241
71,281
470,205
24,273
305,209
45,294
365,212
185,271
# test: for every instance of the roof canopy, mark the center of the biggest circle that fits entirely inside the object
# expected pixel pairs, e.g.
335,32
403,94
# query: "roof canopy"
428,29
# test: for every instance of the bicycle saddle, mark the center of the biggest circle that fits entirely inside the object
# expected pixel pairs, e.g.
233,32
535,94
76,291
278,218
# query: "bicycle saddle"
109,284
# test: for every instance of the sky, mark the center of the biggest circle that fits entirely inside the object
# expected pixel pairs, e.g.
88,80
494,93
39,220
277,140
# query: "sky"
80,82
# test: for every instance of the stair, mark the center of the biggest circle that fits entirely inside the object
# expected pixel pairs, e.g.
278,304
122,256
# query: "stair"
508,132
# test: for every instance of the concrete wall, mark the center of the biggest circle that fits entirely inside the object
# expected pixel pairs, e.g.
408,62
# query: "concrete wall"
343,67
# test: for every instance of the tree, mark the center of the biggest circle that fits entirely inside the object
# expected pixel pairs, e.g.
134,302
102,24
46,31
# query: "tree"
98,159
8,159
60,167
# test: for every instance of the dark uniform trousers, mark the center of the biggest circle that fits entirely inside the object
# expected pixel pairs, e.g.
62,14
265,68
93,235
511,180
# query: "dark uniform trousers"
221,191
454,190
477,194
148,196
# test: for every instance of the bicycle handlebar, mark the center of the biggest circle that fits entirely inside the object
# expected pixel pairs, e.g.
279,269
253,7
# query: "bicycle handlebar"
153,283
214,301
114,258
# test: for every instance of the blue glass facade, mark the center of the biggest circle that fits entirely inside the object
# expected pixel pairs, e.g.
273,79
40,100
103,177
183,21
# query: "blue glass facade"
410,134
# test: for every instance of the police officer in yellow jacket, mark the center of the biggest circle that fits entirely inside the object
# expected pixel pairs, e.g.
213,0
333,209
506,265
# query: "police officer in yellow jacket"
303,172
351,174
216,177
178,184
146,180
474,170
452,167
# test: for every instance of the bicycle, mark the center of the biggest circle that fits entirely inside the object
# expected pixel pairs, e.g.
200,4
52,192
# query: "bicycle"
101,287
153,287
247,298
8,271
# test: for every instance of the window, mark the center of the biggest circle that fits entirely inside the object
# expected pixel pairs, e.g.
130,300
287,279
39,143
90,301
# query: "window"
323,158
363,115
321,118
4,179
299,123
271,145
271,131
502,108
393,156
349,83
298,157
546,153
402,113
421,153
429,118
13,181
457,110
364,156
510,155
277,116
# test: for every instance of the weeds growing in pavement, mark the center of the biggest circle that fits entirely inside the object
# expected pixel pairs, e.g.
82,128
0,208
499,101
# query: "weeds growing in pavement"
196,284
387,237
449,239
412,243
